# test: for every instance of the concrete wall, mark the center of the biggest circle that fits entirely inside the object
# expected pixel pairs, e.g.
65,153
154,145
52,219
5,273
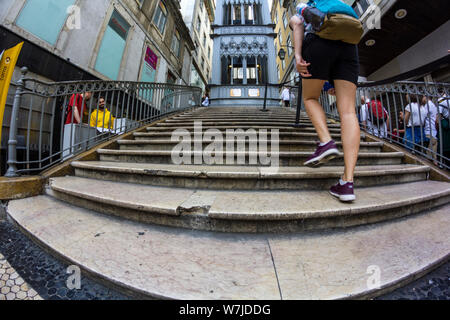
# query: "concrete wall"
429,49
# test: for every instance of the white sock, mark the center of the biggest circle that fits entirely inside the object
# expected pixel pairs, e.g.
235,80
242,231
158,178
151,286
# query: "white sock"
322,144
342,182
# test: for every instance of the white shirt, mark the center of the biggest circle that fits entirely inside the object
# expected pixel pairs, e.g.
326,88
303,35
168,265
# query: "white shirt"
417,116
378,130
430,119
285,95
206,102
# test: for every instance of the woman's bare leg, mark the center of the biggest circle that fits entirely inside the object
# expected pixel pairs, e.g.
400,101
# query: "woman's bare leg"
350,131
311,93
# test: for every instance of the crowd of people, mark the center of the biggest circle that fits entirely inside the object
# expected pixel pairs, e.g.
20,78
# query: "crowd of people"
422,124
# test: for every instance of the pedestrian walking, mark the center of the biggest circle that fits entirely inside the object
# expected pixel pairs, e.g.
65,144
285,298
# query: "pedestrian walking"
431,125
415,115
205,100
375,118
286,97
399,132
444,126
318,60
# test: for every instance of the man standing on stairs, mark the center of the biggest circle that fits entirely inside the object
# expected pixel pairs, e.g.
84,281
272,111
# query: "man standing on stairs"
319,60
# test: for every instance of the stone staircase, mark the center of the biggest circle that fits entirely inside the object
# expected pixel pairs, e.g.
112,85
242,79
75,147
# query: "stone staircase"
238,230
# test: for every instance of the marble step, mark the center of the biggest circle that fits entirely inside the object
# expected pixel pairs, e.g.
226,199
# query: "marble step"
248,211
283,145
244,110
256,128
245,178
288,119
169,263
310,136
245,124
284,158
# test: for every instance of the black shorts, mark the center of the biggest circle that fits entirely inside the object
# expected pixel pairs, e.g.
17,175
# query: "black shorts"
331,60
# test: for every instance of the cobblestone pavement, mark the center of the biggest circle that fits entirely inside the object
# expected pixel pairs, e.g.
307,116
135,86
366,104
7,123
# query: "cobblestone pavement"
42,275
28,272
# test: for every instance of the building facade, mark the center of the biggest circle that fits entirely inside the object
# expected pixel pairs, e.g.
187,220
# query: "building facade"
133,40
199,16
244,54
399,36
65,40
281,13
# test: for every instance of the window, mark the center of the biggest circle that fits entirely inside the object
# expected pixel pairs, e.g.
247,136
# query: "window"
276,17
111,50
238,71
283,64
204,40
197,49
34,18
251,70
289,43
199,24
285,22
236,14
160,18
248,14
278,70
176,43
280,38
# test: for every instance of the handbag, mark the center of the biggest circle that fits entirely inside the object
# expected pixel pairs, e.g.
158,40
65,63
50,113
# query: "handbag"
341,27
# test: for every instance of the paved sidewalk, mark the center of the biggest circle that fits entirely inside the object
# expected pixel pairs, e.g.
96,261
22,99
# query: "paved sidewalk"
27,272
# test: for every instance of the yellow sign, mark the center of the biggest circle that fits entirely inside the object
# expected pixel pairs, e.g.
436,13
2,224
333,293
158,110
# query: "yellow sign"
7,64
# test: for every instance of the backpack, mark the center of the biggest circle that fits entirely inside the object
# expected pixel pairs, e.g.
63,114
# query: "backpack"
333,6
341,22
377,111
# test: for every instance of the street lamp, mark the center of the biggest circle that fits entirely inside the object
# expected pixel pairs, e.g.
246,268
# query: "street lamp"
282,54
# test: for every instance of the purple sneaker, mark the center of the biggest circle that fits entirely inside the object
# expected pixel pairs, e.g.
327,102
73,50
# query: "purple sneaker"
345,193
323,154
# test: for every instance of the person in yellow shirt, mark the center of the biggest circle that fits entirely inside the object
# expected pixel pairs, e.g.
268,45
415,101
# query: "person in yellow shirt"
102,118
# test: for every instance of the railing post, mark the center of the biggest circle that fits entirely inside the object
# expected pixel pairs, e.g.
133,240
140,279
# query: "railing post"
265,98
12,142
299,104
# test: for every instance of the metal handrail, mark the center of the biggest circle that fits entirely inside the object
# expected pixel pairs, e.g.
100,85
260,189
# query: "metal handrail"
418,135
60,136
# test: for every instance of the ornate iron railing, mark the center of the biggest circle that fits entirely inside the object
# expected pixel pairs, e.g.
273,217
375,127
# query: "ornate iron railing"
46,131
427,105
